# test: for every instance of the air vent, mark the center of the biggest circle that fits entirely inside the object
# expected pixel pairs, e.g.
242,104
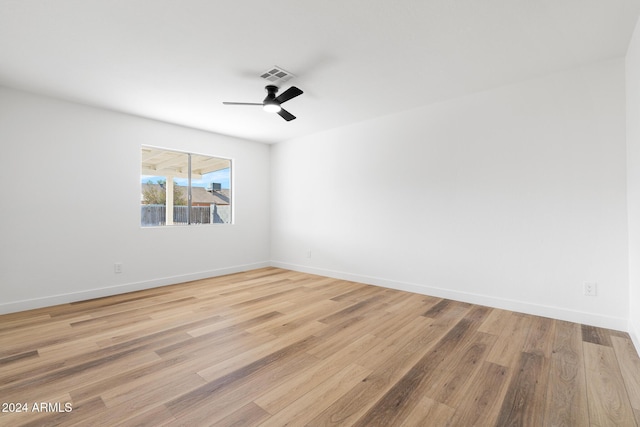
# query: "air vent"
277,75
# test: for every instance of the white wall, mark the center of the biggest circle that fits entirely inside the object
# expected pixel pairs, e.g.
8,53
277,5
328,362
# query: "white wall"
70,205
512,197
633,182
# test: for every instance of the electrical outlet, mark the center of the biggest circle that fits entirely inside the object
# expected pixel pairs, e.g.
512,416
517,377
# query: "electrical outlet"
117,267
308,253
590,289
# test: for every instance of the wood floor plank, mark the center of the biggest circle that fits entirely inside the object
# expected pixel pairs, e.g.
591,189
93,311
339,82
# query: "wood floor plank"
17,322
449,386
34,389
596,335
413,336
524,403
309,405
188,400
540,337
428,412
234,395
359,292
256,316
138,395
484,397
506,351
247,416
333,341
352,310
157,416
400,400
273,347
608,401
280,397
401,313
253,354
629,363
567,393
494,323
18,357
129,378
386,371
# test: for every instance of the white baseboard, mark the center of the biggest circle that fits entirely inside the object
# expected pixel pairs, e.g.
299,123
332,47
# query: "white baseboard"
610,322
51,300
635,336
502,303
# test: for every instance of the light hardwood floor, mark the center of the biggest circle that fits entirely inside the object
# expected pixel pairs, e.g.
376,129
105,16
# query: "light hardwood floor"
274,347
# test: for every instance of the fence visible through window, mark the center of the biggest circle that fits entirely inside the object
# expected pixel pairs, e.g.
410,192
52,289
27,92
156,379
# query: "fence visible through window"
155,215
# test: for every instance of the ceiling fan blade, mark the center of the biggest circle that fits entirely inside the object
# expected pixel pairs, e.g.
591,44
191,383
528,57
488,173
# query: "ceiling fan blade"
242,103
286,115
292,92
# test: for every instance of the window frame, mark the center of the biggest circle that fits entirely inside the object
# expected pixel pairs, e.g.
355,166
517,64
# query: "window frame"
168,178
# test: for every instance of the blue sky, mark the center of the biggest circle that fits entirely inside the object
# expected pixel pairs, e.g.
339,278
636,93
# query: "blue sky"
222,177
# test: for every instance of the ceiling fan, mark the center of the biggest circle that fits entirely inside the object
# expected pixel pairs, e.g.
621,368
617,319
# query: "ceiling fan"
272,102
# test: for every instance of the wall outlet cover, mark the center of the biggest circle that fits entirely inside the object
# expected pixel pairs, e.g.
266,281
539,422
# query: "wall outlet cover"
590,289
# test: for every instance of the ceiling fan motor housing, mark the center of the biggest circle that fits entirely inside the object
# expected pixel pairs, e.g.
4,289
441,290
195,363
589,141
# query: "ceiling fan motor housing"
272,90
270,104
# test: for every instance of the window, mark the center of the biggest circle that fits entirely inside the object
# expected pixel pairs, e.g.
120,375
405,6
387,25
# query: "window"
184,188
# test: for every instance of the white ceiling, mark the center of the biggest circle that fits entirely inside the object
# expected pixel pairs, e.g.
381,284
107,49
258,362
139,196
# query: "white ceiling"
177,60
